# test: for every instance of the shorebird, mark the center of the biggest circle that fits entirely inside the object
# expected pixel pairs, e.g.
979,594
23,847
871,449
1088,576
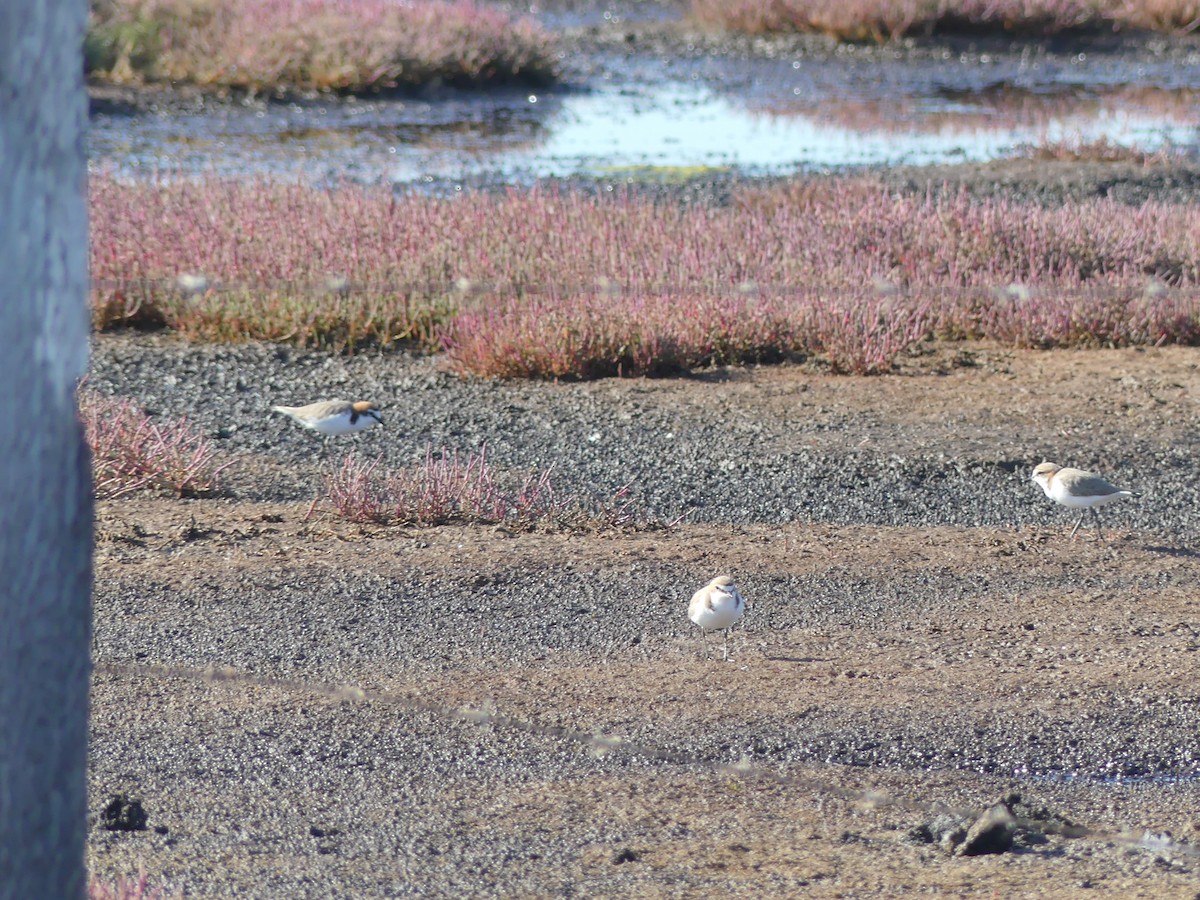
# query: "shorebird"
717,605
330,417
1077,489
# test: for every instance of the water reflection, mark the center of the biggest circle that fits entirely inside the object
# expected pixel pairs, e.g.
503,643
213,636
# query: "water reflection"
688,125
1143,112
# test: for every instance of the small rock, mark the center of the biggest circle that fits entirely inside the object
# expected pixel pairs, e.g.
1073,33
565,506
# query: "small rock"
123,813
919,835
992,832
624,855
951,839
946,830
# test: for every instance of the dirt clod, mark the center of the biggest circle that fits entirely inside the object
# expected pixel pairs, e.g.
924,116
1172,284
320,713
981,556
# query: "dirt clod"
122,813
992,832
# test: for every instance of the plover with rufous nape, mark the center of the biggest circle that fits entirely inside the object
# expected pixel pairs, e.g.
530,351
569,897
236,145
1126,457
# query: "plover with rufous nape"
1077,489
331,417
718,605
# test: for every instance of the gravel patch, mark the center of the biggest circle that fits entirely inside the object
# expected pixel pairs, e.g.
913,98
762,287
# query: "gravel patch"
702,448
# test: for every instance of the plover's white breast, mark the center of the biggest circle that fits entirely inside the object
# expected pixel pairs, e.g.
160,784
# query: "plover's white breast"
339,423
714,607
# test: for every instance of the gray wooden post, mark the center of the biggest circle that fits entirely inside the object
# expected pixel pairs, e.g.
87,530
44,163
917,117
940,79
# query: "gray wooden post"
45,473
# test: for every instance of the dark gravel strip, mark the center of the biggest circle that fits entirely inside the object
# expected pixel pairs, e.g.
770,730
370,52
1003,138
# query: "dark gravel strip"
712,464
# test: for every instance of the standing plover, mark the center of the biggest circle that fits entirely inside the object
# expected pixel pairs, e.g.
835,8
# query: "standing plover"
717,605
334,416
1077,489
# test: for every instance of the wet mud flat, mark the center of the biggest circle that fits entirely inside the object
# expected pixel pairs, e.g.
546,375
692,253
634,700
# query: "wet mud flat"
643,90
922,637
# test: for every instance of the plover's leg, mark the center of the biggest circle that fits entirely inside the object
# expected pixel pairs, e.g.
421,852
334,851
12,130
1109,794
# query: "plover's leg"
1080,522
725,646
704,641
1099,530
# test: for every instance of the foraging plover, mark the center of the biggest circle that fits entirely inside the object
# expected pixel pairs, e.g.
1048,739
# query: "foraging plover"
334,416
717,605
1077,489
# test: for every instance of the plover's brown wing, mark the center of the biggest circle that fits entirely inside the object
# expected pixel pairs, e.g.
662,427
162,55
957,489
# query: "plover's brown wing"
1085,484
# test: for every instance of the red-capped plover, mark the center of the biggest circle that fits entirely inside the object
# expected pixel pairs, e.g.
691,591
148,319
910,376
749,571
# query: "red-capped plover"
717,605
1077,489
330,417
